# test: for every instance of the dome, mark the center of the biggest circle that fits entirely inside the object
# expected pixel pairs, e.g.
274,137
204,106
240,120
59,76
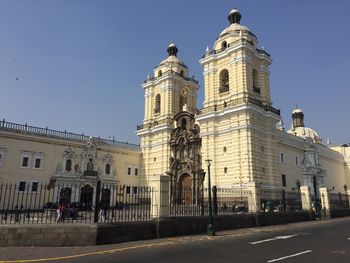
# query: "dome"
297,110
234,10
233,28
172,59
305,132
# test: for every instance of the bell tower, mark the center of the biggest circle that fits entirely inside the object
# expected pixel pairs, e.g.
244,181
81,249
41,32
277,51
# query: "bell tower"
238,121
169,91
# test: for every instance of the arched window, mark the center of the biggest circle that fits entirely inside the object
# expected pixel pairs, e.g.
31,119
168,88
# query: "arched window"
224,81
255,81
108,168
183,123
69,165
183,101
223,45
160,73
157,108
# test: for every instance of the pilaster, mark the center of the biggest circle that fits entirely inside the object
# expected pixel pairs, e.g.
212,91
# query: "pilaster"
325,201
306,197
254,197
160,196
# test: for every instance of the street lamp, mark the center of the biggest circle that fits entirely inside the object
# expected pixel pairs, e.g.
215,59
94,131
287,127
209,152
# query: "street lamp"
201,178
210,228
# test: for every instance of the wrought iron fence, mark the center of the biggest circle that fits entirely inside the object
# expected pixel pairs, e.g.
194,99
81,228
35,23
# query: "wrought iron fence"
338,200
275,200
228,201
225,201
70,203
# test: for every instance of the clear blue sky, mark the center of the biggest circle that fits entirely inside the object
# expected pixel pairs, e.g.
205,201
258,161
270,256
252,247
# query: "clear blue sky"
80,63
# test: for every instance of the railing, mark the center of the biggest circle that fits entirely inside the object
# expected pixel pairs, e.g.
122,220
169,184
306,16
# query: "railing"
171,72
168,121
229,201
239,101
90,173
275,200
224,89
25,128
74,203
225,201
262,52
338,200
243,40
256,89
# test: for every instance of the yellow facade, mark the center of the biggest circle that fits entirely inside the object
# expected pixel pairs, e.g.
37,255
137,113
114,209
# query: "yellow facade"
54,151
167,93
237,121
237,129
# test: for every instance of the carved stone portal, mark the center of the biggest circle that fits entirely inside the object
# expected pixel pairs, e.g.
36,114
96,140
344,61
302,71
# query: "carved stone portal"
185,160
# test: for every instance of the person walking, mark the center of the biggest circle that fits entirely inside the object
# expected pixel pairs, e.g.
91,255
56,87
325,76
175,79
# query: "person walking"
101,215
58,214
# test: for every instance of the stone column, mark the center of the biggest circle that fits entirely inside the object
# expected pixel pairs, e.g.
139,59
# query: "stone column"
306,197
160,196
324,201
254,197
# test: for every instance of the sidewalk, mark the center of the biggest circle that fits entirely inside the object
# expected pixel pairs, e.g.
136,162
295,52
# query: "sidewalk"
55,253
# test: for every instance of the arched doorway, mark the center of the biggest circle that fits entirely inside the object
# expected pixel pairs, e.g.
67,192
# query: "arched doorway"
186,189
105,197
86,195
65,195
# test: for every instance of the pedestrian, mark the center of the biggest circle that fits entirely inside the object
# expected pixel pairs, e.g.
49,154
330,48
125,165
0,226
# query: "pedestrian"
58,214
62,213
101,215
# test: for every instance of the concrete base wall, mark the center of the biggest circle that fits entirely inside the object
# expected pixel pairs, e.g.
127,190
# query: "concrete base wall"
340,212
92,234
123,232
48,235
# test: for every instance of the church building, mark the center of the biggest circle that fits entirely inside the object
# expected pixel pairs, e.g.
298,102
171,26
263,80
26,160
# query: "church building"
238,130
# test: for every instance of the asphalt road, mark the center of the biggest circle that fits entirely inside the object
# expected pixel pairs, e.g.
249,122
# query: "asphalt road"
317,242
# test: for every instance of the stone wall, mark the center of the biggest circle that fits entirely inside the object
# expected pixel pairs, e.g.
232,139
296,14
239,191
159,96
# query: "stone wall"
339,212
92,234
48,235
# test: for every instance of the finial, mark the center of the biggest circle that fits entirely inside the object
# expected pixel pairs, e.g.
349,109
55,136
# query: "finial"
207,50
329,141
172,49
234,17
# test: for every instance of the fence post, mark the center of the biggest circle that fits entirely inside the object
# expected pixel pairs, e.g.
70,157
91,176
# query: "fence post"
215,200
325,201
348,197
97,200
161,196
305,197
253,198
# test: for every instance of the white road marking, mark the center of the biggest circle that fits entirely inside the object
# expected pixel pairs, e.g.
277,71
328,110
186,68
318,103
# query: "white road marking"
272,239
290,256
348,238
